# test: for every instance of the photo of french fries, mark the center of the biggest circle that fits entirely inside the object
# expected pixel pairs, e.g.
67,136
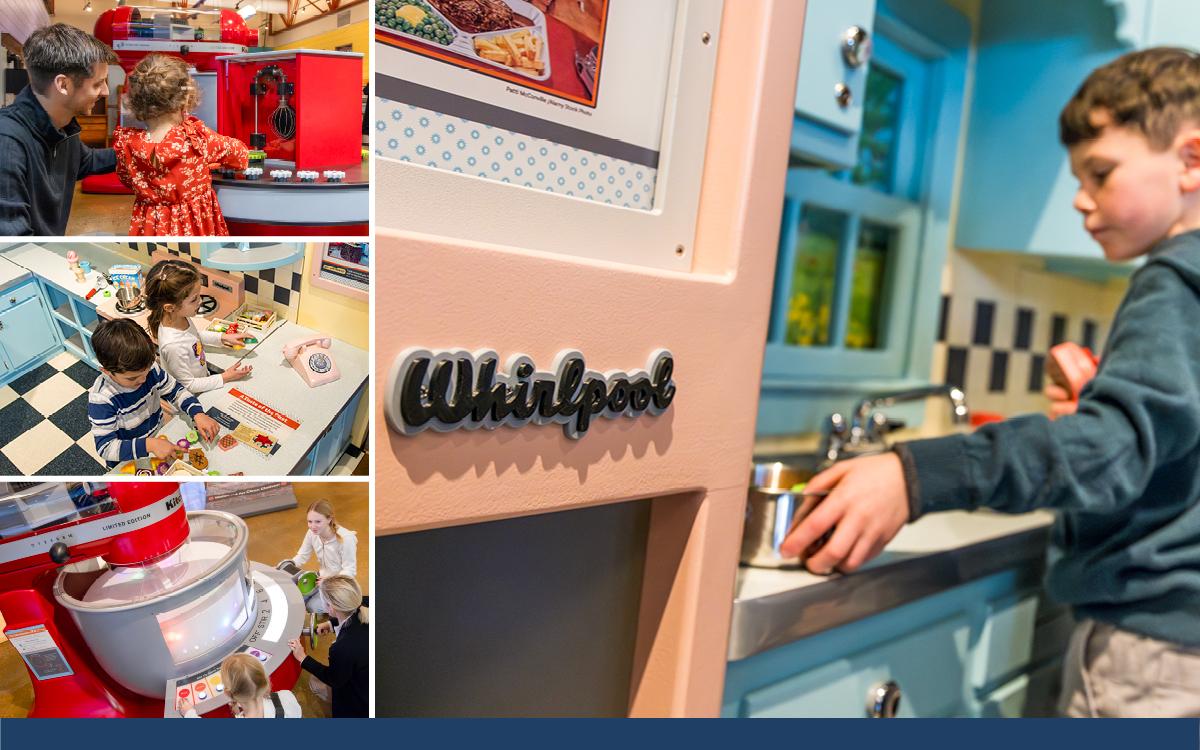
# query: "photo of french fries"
519,50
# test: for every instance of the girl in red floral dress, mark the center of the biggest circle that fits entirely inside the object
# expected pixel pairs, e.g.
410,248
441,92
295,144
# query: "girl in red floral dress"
167,165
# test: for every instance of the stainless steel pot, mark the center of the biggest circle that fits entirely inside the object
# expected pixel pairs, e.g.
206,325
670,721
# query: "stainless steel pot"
129,299
772,510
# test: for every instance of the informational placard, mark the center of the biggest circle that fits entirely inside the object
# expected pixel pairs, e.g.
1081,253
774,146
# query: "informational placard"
37,647
344,267
565,97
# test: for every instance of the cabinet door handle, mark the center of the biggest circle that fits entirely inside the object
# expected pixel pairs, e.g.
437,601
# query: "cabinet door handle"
883,700
843,95
857,46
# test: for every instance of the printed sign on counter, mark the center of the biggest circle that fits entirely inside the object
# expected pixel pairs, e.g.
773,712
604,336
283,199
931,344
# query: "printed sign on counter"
37,647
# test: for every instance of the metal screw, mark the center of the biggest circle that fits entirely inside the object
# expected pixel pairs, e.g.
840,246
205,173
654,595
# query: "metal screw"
679,250
706,37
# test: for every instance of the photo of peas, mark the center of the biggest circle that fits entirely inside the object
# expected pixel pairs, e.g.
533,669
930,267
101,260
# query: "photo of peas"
414,17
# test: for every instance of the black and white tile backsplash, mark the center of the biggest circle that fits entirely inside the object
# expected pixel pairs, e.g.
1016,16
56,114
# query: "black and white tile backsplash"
278,288
999,318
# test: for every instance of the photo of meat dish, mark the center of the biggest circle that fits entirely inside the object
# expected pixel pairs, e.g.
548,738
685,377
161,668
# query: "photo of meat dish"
475,16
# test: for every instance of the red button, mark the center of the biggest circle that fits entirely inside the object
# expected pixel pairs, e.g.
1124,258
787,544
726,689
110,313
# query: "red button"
184,692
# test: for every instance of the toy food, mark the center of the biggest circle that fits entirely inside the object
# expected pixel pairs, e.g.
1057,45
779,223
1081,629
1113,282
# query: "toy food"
193,437
197,459
227,442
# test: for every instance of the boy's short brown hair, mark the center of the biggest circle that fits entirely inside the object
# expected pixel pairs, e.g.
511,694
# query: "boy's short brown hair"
1154,91
60,49
160,85
122,345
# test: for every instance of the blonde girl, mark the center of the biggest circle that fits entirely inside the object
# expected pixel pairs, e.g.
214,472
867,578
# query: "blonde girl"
335,547
249,691
348,673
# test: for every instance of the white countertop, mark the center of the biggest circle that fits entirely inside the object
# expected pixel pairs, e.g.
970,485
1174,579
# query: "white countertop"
935,532
274,383
51,265
10,272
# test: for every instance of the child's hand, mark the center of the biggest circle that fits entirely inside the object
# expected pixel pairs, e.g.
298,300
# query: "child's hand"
1061,403
297,649
235,339
868,503
160,447
237,372
324,628
183,705
206,426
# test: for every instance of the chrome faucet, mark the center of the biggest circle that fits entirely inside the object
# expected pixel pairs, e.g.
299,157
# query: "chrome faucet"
869,427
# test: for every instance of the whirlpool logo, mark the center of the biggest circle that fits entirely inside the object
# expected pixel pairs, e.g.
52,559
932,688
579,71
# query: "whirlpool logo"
448,390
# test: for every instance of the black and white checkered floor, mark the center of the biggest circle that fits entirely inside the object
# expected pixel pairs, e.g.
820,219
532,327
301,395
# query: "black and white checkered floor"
44,428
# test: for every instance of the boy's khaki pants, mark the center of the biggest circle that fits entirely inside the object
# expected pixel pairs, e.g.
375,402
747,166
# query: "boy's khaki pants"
1109,672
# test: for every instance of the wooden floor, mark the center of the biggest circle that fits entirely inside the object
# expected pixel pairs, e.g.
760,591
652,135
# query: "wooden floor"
273,537
96,214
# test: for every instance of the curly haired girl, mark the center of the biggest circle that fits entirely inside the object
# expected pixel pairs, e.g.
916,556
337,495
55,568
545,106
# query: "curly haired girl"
167,164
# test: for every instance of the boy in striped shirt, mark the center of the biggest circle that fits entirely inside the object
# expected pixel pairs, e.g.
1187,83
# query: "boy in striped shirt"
124,403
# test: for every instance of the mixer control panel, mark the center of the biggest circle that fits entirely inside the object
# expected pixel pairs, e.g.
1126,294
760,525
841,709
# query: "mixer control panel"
279,618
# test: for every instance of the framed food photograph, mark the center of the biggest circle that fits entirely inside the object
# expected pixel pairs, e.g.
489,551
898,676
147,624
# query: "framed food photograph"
590,115
343,267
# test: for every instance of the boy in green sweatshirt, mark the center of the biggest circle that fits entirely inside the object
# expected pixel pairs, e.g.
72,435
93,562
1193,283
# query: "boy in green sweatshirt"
1123,471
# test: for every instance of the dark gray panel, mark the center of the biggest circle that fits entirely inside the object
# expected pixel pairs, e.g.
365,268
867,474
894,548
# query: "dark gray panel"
532,616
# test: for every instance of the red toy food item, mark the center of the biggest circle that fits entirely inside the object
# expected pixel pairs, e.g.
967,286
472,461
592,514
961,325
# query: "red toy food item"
227,442
1070,367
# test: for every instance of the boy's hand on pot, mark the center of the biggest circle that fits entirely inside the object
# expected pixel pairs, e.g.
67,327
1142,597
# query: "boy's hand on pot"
868,505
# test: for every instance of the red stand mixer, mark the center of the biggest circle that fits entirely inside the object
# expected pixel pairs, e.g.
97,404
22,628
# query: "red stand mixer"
129,604
134,32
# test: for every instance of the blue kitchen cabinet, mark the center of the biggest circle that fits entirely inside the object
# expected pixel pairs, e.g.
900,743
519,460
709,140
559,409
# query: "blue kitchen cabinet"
831,84
861,248
27,333
1017,187
991,647
76,320
325,453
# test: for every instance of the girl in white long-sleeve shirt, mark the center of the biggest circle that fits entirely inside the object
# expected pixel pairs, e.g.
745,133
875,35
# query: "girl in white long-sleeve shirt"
173,296
336,549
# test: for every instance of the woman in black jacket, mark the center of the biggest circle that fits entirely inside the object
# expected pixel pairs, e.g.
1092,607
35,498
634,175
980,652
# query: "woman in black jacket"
349,669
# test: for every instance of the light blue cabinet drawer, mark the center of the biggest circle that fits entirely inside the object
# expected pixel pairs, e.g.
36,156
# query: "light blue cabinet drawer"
16,295
926,664
827,123
1005,641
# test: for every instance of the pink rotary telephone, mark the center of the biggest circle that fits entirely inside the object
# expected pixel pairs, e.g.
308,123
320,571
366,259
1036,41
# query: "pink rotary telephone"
313,360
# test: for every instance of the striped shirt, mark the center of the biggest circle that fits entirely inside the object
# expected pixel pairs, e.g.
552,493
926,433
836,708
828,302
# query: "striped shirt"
122,418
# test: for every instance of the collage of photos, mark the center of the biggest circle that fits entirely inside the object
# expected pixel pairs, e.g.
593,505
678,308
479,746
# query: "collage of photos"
455,359
185,359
